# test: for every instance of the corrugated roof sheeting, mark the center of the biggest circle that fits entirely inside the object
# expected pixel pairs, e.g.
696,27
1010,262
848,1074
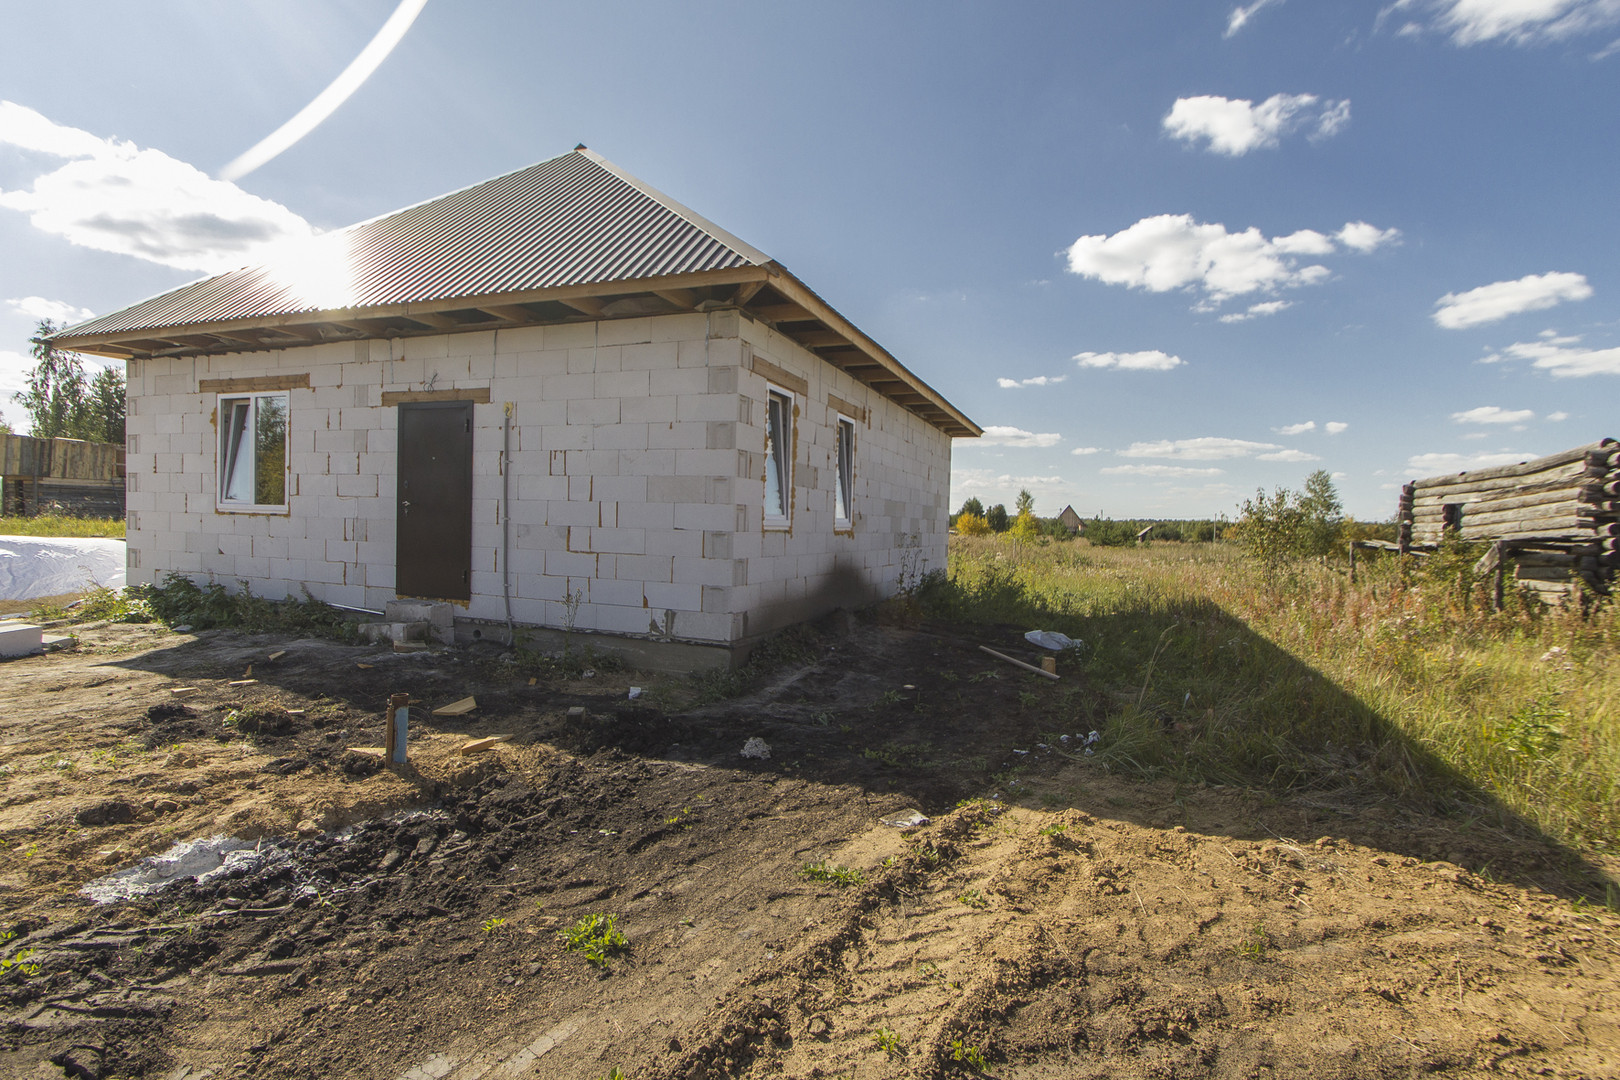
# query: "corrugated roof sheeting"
573,220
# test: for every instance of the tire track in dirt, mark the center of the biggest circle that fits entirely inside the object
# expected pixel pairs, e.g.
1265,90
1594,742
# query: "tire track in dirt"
1064,945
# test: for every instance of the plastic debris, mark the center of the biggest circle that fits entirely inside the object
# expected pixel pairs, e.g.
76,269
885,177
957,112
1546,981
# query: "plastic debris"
203,859
1051,639
635,692
1091,742
756,748
906,819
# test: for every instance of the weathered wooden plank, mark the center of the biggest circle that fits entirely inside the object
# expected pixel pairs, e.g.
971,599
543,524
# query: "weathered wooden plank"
1523,468
253,383
1466,484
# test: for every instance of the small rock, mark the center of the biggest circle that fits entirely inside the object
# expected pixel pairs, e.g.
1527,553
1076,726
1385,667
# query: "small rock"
577,712
756,748
106,812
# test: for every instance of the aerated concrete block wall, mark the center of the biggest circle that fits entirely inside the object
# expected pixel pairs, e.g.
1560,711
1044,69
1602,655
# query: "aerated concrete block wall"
637,484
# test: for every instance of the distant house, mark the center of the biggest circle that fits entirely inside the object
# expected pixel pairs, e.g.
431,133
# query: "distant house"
1072,521
557,398
1552,521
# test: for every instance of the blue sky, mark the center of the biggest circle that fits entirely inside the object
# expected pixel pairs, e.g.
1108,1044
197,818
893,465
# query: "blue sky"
1237,242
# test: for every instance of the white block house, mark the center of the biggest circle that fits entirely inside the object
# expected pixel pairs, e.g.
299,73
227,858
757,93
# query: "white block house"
557,398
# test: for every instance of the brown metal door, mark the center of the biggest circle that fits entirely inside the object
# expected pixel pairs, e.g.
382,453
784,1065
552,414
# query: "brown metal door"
433,518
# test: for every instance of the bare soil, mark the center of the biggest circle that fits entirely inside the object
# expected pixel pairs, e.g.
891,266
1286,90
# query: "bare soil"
404,921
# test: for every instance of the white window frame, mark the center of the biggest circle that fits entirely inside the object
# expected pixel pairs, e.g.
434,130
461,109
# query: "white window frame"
843,472
246,439
781,516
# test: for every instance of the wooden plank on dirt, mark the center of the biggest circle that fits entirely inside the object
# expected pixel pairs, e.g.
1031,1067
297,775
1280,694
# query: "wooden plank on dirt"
1020,663
478,746
457,708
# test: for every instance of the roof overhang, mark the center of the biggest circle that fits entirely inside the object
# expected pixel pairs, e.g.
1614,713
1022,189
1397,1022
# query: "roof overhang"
768,293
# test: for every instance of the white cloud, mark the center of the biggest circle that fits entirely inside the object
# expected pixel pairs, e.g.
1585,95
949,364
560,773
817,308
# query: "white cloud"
1564,357
1269,307
1334,427
1206,448
1362,237
115,196
1172,251
1000,435
1558,417
1039,380
1516,22
1287,455
1234,126
1440,464
1150,360
57,311
1493,414
1159,470
1083,451
1296,429
1489,303
1243,13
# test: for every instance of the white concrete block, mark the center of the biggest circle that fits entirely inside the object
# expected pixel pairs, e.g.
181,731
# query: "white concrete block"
688,542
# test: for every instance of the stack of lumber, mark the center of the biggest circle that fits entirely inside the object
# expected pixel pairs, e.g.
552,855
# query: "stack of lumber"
1556,519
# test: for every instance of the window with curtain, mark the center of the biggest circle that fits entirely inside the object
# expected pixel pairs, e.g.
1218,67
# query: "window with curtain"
778,456
253,452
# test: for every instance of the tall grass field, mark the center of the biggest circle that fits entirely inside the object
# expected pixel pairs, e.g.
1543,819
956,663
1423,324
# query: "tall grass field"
1406,683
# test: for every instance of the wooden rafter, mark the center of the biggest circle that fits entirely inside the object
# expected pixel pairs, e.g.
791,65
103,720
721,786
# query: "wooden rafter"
585,305
515,313
819,339
437,320
685,299
782,312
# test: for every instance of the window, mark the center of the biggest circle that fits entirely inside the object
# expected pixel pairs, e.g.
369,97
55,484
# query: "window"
253,452
1451,516
778,456
845,494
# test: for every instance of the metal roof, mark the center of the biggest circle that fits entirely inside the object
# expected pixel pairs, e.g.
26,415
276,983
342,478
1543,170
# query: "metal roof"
574,220
572,238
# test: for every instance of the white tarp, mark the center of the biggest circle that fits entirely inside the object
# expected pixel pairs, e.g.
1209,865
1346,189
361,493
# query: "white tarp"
35,566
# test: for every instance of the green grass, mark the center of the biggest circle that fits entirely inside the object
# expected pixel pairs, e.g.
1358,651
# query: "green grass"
61,525
1405,683
597,938
828,874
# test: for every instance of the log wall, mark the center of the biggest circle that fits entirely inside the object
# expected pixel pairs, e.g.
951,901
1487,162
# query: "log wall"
1555,519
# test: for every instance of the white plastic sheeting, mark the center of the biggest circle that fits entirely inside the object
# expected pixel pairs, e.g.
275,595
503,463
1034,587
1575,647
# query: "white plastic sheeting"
35,566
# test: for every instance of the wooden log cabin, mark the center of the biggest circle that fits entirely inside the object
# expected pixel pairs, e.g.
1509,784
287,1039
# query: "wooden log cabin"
1553,523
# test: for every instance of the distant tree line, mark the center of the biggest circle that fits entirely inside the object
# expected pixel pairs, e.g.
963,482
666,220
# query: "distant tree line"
1272,527
974,519
63,402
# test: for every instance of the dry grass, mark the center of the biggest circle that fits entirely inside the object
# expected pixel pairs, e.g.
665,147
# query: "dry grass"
1404,682
62,525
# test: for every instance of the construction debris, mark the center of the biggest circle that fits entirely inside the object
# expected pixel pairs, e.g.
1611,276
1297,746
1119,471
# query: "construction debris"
457,708
478,746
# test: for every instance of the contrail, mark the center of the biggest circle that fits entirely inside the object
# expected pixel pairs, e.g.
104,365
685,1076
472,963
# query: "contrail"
328,100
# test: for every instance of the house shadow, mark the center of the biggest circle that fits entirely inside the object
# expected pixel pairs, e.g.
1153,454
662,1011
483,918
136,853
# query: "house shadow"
1199,722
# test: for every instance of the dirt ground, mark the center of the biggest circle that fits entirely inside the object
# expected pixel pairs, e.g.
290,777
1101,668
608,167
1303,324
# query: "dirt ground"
404,922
